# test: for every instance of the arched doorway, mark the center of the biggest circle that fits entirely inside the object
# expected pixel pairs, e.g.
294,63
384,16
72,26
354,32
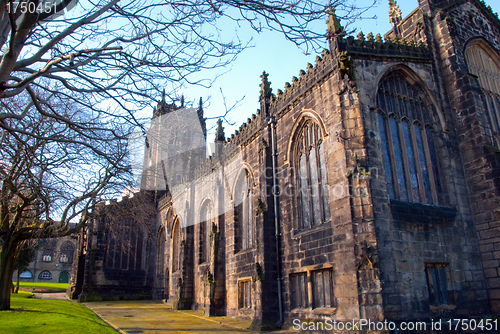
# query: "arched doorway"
64,277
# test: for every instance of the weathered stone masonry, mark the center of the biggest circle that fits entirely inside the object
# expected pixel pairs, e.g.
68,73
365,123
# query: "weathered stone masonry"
387,188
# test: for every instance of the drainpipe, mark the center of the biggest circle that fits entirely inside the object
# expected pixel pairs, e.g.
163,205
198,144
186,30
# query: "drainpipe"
272,125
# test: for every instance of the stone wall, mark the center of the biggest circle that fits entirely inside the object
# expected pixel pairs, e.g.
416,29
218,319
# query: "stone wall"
458,23
376,250
96,279
410,235
58,265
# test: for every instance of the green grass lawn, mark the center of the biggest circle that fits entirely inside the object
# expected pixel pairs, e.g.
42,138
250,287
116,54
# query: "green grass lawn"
43,285
49,316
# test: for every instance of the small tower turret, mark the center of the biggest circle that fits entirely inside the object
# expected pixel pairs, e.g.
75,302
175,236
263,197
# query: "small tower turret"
395,18
202,119
220,137
265,95
163,107
334,32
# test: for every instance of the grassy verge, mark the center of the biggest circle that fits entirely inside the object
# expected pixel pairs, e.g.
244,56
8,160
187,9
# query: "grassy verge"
43,285
49,316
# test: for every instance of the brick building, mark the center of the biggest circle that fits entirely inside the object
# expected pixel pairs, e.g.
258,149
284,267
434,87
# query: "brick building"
367,189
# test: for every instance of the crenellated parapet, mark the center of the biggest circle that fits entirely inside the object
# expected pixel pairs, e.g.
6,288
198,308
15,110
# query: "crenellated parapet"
204,168
369,46
487,10
389,47
305,81
230,147
246,133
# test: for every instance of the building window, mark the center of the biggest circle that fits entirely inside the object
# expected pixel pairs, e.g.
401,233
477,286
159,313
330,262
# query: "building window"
245,294
243,213
176,246
46,275
160,263
407,138
26,274
485,64
311,179
66,252
46,258
436,282
298,290
205,228
125,246
322,284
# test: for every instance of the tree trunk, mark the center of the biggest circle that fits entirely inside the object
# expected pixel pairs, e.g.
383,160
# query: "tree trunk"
7,262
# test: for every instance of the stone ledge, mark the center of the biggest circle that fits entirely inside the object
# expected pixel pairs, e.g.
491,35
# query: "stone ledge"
421,213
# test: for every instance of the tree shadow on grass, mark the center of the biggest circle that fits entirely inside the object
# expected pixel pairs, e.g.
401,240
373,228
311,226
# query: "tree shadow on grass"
72,316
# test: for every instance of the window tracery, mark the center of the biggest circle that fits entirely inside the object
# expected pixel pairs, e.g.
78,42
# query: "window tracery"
407,140
176,245
243,213
205,227
160,263
485,65
311,176
125,246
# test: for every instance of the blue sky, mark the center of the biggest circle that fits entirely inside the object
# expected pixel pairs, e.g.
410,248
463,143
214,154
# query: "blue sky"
282,60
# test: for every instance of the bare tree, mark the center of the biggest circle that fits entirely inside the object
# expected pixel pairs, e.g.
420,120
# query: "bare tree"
128,51
25,254
71,85
52,174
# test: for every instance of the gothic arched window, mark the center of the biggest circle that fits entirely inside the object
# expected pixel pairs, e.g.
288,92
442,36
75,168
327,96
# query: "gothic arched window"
125,246
206,219
243,213
485,63
176,246
160,263
409,153
311,179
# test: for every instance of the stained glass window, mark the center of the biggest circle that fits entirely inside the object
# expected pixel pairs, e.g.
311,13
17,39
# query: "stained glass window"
409,154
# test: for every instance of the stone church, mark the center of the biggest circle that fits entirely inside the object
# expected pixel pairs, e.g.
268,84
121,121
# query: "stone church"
368,188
